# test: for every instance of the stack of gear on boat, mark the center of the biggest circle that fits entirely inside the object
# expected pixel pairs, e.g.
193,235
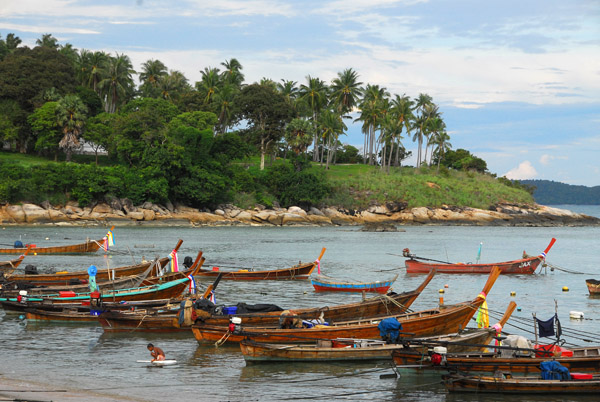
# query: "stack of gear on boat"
192,310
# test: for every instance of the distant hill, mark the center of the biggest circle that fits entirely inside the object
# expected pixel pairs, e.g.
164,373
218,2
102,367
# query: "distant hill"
549,192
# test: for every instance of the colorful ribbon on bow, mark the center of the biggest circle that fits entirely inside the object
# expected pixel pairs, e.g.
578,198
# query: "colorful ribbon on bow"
174,264
483,318
318,266
192,284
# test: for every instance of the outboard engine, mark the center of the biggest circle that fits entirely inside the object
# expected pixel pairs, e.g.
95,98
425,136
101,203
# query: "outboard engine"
438,357
235,325
187,262
31,270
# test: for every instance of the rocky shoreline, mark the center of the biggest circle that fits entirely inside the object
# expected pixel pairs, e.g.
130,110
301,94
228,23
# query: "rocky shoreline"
124,213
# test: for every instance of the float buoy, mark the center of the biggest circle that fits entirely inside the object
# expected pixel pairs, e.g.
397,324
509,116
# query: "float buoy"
513,293
565,289
577,315
446,286
441,291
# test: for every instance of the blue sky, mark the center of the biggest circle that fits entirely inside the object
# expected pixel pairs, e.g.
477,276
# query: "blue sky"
518,82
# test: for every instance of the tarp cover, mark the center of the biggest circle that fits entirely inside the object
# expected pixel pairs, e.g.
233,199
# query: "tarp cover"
553,370
388,329
256,308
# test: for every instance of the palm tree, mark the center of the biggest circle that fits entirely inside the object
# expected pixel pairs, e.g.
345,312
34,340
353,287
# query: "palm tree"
69,51
314,94
299,135
47,40
97,70
441,139
71,115
421,102
82,64
372,109
332,126
435,125
346,91
225,100
403,110
118,83
290,91
209,84
152,72
391,128
233,73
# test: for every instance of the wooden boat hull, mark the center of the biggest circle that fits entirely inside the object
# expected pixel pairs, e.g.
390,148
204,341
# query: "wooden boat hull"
270,352
325,284
348,349
297,272
65,278
382,305
169,290
64,317
518,385
593,286
430,322
13,306
584,360
525,266
115,321
445,320
90,246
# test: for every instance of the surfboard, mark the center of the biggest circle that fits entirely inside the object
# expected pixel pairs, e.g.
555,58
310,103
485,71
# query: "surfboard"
159,362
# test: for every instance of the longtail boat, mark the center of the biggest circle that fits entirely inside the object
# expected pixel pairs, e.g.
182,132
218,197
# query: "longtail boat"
65,316
15,307
441,320
125,282
593,286
381,305
300,271
166,290
323,283
89,246
344,349
8,267
584,359
507,384
66,277
525,266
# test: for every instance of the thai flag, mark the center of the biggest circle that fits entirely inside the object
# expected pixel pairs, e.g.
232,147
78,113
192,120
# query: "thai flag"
212,297
105,246
192,284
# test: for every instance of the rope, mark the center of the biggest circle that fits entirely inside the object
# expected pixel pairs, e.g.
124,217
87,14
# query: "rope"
223,339
555,267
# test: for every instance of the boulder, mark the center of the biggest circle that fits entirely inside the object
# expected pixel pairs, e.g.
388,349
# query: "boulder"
297,211
291,219
16,213
102,208
35,213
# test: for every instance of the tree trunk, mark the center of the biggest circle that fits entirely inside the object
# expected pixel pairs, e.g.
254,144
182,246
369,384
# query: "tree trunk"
262,154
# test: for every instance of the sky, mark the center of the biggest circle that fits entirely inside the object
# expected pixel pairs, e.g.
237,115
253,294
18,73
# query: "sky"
517,82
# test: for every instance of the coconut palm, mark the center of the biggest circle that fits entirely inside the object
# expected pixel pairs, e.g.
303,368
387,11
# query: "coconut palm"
332,126
421,103
118,82
71,115
314,95
47,40
83,66
225,100
442,145
299,135
152,72
97,69
372,109
233,73
346,91
209,83
402,107
289,90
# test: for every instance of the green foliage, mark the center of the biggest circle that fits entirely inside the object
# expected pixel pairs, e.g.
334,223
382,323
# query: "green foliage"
291,187
549,192
461,159
201,188
47,131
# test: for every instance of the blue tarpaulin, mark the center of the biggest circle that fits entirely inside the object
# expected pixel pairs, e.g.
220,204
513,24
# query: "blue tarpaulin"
553,370
388,329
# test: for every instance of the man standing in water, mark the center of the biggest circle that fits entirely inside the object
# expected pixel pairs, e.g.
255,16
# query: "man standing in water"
156,352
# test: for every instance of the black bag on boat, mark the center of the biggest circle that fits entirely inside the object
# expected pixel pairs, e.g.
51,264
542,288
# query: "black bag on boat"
256,308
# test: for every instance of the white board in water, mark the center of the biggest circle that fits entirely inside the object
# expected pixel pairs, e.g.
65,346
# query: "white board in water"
159,362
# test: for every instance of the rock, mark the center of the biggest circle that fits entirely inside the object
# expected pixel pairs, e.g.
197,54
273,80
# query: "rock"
315,211
35,214
102,208
297,211
379,227
421,214
149,214
136,215
291,219
169,206
318,219
16,213
219,212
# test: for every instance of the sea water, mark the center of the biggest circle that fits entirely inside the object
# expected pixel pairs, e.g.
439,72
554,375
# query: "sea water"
83,357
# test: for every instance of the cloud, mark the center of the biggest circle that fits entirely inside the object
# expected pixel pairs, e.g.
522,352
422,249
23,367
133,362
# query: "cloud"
546,159
524,171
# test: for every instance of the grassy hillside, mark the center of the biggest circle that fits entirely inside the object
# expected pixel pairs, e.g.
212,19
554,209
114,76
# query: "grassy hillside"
357,186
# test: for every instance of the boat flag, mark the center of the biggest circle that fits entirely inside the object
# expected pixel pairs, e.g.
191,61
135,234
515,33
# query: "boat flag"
174,264
479,252
110,238
192,284
105,245
318,266
212,297
483,318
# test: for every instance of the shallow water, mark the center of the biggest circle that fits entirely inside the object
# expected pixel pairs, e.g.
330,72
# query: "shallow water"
82,356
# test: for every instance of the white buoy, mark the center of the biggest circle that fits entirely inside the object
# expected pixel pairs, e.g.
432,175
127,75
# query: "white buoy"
577,315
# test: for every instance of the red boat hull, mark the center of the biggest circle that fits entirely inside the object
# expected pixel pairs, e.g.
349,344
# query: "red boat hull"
525,266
